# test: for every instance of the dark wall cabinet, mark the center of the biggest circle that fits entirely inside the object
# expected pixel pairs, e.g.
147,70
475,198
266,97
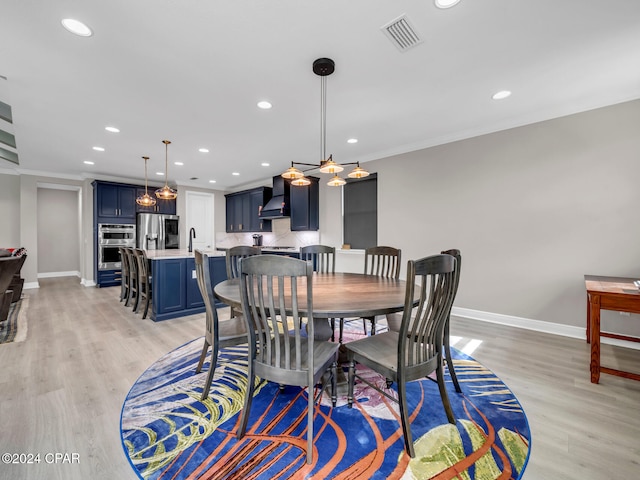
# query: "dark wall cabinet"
243,210
114,203
167,207
305,206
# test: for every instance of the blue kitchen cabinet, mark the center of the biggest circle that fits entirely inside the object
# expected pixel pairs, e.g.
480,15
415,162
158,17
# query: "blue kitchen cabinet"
114,203
175,287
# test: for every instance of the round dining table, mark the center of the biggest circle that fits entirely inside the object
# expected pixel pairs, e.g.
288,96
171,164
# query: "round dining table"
337,295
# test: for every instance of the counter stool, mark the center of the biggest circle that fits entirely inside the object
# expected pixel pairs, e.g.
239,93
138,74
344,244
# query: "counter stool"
144,281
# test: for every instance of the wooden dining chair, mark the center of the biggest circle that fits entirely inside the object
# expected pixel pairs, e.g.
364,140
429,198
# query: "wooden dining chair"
144,281
454,252
322,257
232,261
125,280
416,350
381,261
133,279
269,283
217,334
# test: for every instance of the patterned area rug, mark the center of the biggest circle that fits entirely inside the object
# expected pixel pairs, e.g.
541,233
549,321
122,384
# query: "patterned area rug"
168,433
14,329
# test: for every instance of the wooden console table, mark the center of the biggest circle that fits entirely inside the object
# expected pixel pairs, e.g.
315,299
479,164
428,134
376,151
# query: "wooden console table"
608,293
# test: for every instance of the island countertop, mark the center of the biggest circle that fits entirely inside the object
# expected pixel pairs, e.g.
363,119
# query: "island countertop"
179,253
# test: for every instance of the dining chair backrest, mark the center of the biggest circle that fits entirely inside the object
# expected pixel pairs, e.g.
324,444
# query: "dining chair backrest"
322,257
235,254
382,261
270,285
203,277
142,265
454,252
421,334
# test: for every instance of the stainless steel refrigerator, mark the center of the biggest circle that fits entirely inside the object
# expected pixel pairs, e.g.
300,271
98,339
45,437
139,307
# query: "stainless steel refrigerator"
157,231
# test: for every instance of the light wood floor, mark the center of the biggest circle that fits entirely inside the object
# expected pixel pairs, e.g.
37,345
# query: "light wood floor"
61,391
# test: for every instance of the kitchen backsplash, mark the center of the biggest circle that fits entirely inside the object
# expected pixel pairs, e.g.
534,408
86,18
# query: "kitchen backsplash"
281,236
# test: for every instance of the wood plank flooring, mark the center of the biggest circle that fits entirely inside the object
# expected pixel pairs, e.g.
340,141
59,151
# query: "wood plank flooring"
61,390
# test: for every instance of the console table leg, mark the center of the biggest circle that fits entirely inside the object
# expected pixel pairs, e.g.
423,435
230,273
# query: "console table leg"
594,313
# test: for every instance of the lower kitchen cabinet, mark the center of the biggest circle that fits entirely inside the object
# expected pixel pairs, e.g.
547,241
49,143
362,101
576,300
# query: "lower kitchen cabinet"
108,278
174,286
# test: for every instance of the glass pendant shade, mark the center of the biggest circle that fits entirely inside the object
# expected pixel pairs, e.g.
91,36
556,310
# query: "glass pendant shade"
331,167
336,181
358,172
301,182
146,200
292,173
166,192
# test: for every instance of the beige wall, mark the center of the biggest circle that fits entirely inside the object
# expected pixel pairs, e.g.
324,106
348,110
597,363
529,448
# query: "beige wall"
58,231
532,209
9,206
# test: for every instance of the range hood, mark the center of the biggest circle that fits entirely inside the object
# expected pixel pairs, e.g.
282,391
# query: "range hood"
278,206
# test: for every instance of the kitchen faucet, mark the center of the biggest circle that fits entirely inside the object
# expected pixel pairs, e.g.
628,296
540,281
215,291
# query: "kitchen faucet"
192,235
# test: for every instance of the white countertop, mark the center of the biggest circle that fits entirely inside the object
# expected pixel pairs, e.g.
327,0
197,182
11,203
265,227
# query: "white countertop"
179,253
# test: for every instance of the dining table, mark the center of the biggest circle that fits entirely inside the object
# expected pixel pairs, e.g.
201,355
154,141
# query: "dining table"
337,295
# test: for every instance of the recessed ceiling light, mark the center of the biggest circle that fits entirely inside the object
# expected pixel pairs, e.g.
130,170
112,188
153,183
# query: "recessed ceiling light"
89,162
212,181
235,173
264,164
264,105
446,3
99,149
159,173
352,140
178,163
76,27
501,95
203,150
112,129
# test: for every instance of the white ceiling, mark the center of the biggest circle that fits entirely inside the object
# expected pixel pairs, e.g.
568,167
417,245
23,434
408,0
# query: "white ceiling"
192,71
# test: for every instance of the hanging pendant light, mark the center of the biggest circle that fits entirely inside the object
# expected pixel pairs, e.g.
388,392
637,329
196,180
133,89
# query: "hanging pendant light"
323,67
146,200
166,192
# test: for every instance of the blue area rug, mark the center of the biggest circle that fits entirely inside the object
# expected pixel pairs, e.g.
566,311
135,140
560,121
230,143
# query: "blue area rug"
168,433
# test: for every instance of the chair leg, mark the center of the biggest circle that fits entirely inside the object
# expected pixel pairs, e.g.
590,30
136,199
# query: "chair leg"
404,417
203,355
334,383
248,398
443,393
146,305
341,330
310,414
447,352
212,370
351,380
332,321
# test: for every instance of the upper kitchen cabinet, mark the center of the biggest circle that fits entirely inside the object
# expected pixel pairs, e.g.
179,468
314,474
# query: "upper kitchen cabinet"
114,202
305,205
167,207
243,210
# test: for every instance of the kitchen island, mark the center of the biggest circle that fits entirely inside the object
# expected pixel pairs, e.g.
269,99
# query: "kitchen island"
174,286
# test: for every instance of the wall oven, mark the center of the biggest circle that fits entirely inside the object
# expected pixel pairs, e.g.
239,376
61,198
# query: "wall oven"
110,238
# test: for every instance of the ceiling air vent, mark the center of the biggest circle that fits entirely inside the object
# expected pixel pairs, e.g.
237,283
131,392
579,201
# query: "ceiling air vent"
401,33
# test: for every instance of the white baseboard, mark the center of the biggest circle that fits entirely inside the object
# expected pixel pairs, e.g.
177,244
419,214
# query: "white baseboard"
87,283
59,274
30,285
538,326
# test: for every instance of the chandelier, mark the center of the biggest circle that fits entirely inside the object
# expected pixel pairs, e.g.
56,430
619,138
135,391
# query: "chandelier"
323,67
166,192
146,200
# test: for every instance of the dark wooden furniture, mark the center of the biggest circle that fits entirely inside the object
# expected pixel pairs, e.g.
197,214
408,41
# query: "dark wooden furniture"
322,257
283,355
416,350
608,293
217,334
447,342
382,261
125,281
133,278
8,268
232,260
305,206
143,281
243,210
338,295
